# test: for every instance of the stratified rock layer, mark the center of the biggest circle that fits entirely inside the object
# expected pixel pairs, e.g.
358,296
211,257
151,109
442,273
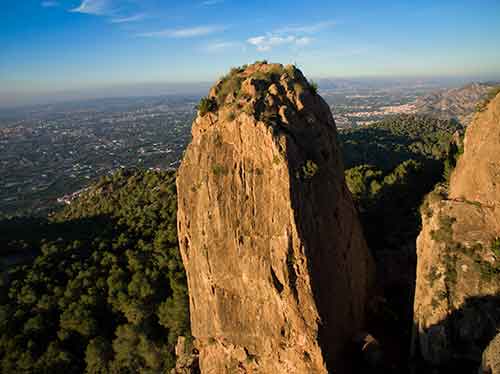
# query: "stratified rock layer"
457,303
278,270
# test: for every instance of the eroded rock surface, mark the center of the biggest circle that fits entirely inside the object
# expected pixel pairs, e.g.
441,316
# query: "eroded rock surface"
278,270
457,304
491,358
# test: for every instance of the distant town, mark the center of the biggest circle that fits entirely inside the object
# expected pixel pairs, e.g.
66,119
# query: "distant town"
49,152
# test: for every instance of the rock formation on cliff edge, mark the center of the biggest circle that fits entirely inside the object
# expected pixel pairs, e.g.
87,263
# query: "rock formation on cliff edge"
277,266
457,296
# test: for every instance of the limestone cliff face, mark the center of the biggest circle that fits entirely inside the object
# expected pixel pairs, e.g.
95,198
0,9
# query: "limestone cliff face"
456,309
278,270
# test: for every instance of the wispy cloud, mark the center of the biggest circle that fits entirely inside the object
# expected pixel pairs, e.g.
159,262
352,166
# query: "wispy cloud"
267,42
189,32
222,45
95,7
293,36
306,29
133,18
211,2
49,4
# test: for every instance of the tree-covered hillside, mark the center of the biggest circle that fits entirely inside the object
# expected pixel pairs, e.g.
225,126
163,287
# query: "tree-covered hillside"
388,143
390,166
107,292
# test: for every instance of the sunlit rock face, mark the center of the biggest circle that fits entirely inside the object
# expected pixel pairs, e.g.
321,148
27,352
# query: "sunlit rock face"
457,298
278,269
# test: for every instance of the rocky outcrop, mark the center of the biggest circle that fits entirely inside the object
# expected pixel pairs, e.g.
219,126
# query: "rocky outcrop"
278,270
186,358
456,309
491,358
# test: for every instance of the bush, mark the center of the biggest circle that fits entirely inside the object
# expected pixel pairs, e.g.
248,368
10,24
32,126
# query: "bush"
310,169
495,247
219,170
313,86
445,232
206,105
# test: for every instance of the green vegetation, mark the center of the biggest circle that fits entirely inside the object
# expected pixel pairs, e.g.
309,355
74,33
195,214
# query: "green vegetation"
107,292
231,84
206,105
495,247
388,202
310,169
490,96
445,231
219,170
391,166
399,138
454,152
271,75
231,116
433,275
436,195
313,86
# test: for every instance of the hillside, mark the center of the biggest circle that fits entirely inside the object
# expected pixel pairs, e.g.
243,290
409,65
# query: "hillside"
397,139
106,292
457,103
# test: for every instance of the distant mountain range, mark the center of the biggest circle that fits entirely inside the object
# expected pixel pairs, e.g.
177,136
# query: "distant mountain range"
459,103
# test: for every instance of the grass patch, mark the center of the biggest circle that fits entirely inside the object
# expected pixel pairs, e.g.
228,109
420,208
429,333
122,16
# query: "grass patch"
445,232
230,84
219,170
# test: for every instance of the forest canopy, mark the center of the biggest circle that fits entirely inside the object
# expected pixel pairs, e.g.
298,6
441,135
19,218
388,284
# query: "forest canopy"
107,292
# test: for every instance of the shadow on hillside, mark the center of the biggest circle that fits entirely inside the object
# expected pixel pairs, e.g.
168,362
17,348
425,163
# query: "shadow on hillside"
375,146
468,330
22,238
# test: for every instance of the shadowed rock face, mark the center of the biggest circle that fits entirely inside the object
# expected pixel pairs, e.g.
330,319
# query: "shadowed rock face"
459,252
278,270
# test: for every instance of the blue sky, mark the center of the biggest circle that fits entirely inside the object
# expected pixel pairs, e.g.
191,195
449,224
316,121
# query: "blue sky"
58,45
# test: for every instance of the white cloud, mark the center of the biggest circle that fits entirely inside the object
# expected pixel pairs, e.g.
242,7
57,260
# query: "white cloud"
49,4
185,32
95,7
133,18
293,36
269,41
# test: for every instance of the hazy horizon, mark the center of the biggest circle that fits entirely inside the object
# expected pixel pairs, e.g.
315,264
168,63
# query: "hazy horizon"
73,49
150,89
